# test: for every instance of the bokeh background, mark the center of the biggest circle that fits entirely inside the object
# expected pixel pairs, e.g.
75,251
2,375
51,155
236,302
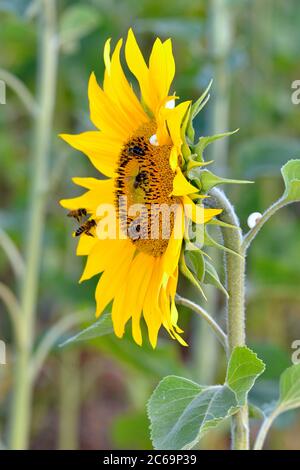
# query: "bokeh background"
92,394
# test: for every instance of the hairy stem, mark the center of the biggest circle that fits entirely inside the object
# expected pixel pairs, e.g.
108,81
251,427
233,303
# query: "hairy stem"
212,323
235,269
249,237
21,403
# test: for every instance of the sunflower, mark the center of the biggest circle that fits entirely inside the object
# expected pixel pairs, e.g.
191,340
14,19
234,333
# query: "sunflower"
137,146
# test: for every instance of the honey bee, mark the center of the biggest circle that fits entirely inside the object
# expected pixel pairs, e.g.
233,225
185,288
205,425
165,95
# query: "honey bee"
135,150
86,227
140,179
78,214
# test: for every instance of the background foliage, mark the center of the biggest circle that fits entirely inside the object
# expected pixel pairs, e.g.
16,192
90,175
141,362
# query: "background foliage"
92,394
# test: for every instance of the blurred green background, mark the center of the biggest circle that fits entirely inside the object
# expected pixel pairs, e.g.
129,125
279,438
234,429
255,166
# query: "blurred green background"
92,395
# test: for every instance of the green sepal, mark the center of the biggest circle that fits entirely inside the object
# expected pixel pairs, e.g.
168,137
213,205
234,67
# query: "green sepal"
206,140
220,223
209,241
189,275
211,277
206,180
195,262
185,149
194,162
195,110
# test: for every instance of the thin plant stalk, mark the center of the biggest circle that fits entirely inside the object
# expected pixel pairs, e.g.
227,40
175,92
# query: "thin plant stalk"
69,400
235,272
21,402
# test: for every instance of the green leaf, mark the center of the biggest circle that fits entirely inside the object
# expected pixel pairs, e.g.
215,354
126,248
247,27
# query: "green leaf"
212,277
181,411
76,22
101,327
291,176
243,369
290,389
208,180
289,399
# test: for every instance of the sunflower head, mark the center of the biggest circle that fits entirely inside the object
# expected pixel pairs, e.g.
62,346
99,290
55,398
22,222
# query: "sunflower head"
138,147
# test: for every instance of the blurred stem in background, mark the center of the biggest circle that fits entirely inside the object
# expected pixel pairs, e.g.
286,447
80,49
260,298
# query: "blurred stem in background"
219,40
69,400
47,71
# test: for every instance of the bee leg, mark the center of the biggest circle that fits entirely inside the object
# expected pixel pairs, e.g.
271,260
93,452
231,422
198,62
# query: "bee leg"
89,234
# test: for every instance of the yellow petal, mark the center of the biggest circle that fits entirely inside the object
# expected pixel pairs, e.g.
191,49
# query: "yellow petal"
173,158
151,310
113,277
102,115
106,55
161,69
197,213
174,120
102,193
135,289
147,266
102,151
118,310
116,86
138,67
103,253
85,245
181,186
172,253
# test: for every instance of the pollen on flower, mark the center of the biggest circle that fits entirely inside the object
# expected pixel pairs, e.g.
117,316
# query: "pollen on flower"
144,177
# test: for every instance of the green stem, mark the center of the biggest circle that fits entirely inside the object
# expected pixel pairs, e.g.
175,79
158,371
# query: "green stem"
54,333
21,403
13,309
212,323
235,270
12,253
264,430
69,400
21,90
220,40
249,237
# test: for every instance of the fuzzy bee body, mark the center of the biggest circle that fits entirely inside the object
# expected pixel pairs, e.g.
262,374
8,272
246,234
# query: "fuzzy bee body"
78,214
140,179
136,150
85,228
